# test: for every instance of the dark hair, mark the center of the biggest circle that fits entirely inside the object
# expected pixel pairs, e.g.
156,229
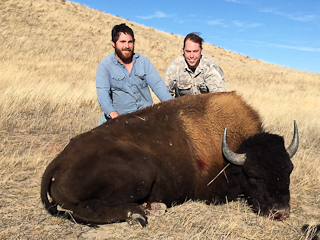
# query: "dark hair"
121,28
194,37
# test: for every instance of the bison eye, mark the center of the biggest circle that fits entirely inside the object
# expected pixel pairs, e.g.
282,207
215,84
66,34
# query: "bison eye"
254,175
255,180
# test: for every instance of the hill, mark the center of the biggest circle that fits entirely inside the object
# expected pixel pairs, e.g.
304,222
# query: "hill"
50,50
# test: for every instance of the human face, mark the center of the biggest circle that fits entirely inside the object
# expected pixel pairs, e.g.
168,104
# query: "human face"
192,54
124,47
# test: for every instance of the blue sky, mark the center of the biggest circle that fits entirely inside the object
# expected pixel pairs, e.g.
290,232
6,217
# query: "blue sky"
283,32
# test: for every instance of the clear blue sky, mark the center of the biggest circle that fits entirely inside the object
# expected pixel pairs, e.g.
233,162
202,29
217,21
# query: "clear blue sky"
283,32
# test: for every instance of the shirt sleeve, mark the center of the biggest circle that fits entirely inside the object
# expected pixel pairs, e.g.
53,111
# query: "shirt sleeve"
215,79
156,83
104,89
170,78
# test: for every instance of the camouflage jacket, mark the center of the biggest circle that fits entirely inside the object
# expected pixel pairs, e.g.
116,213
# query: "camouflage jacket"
180,80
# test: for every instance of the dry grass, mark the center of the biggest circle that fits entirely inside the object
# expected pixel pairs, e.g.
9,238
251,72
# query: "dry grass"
50,50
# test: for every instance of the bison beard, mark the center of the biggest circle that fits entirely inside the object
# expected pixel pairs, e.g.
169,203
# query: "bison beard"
168,153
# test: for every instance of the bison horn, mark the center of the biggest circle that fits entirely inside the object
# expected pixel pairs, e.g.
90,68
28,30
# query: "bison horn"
235,158
292,149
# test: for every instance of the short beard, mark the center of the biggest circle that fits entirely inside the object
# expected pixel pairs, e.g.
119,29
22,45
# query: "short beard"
124,57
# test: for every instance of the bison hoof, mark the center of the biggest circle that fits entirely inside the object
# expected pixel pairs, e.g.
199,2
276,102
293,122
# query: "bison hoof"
157,209
136,218
154,208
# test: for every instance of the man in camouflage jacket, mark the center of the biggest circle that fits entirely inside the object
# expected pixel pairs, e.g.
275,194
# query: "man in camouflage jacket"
192,73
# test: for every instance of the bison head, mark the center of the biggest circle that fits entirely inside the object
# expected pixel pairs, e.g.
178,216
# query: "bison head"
265,171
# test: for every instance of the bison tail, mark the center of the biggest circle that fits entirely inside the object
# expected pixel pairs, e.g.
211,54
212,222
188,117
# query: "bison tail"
46,182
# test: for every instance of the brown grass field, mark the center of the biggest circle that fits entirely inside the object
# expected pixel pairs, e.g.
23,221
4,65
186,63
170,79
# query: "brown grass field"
50,50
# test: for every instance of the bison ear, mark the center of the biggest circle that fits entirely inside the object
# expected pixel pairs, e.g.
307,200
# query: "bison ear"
293,148
235,158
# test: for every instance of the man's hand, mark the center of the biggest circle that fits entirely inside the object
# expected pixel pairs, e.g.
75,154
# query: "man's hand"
114,114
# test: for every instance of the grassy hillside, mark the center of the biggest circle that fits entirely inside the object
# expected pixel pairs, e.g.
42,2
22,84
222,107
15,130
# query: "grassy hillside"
50,50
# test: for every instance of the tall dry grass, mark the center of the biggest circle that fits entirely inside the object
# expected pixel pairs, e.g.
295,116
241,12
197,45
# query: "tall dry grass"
50,50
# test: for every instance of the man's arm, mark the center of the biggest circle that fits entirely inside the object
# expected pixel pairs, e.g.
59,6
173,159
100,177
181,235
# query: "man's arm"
103,90
156,83
214,78
170,78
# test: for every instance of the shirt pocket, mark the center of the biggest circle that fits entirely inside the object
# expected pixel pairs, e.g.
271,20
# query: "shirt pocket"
184,88
140,77
118,82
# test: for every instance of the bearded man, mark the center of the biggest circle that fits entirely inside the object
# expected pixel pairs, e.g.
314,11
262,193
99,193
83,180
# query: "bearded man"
123,78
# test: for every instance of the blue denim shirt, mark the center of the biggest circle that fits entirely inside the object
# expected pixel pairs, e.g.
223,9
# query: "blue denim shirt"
120,91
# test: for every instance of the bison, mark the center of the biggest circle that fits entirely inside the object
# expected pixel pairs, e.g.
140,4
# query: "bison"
169,153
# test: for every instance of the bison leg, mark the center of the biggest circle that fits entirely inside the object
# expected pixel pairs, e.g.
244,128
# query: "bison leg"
98,212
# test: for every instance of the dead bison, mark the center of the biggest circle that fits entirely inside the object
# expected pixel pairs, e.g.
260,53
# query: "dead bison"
169,153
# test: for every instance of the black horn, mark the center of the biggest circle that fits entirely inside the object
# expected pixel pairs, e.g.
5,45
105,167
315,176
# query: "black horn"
235,158
292,149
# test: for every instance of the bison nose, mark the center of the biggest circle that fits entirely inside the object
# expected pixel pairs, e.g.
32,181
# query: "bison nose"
282,214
